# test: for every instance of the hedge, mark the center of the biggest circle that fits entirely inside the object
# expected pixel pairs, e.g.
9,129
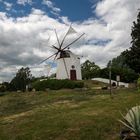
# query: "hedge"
56,84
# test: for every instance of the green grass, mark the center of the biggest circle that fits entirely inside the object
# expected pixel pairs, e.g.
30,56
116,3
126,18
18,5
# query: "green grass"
64,114
93,84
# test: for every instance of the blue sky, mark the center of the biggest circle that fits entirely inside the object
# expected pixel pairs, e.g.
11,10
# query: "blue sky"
75,10
26,25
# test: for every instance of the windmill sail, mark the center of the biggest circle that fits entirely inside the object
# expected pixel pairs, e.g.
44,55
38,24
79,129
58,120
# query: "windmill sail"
71,31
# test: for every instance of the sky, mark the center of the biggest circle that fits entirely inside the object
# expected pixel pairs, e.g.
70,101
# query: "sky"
27,31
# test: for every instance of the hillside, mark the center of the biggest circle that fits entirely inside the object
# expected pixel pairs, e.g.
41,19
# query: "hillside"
64,114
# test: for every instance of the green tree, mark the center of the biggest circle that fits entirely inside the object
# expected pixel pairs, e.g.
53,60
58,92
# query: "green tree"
89,70
133,54
5,86
104,73
22,78
119,61
119,67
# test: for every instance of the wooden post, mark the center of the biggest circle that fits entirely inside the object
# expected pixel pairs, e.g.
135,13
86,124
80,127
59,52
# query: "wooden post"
110,84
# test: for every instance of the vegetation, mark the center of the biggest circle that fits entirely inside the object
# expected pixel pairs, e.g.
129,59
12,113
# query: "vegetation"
89,70
133,54
55,84
132,122
64,114
127,64
118,67
92,84
4,86
22,78
126,75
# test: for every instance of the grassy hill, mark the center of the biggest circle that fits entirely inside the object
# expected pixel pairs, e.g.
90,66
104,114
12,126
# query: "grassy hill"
64,114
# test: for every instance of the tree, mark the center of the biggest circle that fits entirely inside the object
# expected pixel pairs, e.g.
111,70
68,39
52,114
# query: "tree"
119,61
119,67
5,86
104,73
133,54
22,78
89,70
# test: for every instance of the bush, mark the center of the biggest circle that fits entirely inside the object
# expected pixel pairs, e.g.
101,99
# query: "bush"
2,88
56,84
5,86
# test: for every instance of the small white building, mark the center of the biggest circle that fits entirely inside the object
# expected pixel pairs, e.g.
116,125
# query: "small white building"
68,66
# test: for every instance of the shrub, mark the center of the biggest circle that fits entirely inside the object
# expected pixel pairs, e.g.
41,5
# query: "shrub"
2,88
5,86
56,84
132,121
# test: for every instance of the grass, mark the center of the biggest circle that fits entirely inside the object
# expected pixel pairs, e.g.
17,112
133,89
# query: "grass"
93,84
64,114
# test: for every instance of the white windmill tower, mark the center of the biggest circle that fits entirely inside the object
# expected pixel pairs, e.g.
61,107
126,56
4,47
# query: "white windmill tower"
68,63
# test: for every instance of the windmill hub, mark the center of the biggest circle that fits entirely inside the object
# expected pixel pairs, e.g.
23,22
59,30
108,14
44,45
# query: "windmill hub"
64,54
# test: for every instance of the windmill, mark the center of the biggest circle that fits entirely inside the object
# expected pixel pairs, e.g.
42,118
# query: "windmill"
68,64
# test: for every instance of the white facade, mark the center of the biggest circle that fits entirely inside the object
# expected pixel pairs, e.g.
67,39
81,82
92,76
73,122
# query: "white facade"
66,65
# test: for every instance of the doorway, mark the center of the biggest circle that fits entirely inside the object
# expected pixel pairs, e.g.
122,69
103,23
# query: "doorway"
73,75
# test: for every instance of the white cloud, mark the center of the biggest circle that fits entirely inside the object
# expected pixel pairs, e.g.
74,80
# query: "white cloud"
24,41
50,4
23,2
8,5
118,16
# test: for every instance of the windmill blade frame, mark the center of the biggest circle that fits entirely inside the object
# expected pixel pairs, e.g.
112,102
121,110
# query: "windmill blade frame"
50,67
66,67
73,41
57,39
48,58
64,38
56,48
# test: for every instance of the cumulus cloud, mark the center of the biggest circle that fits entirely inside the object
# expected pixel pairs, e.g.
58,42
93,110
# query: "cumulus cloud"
118,16
25,41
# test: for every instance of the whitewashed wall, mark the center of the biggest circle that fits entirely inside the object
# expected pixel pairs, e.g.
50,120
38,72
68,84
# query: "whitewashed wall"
61,70
107,81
